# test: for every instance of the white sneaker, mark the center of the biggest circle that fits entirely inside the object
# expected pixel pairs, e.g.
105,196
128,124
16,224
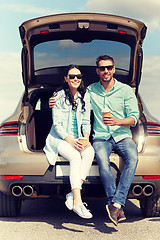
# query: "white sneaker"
82,211
69,201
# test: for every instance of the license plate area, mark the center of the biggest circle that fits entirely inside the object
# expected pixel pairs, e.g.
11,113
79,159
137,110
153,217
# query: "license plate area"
62,170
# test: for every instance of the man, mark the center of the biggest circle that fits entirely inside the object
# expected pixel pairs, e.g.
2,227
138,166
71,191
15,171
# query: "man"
113,133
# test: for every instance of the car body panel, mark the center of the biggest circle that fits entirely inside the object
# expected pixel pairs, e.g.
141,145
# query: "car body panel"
43,21
16,162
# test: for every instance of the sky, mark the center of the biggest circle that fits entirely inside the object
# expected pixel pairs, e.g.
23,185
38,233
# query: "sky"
13,13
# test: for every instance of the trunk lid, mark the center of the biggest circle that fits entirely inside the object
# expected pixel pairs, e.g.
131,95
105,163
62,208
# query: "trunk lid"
67,34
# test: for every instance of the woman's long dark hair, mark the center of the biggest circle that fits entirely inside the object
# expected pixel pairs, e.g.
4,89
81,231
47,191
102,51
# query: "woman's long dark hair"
81,89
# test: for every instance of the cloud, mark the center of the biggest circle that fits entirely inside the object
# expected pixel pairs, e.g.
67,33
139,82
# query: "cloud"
10,63
150,82
144,10
27,8
151,68
67,44
11,86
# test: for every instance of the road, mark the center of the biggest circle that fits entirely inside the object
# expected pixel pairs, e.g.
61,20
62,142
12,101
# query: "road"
49,219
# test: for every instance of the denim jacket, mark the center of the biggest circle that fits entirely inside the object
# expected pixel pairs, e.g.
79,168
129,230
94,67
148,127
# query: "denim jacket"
62,123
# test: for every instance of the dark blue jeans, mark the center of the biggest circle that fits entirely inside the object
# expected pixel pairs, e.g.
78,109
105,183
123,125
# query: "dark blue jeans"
125,148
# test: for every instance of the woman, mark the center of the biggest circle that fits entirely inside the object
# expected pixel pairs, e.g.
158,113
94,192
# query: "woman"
71,118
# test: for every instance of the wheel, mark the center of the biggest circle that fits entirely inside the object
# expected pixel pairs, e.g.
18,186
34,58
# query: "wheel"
150,206
10,206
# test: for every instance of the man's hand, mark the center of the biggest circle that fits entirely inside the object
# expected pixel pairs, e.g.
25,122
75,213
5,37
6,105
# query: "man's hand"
52,101
110,121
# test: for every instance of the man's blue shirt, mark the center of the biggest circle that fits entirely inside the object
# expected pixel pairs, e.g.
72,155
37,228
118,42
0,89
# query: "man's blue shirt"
122,103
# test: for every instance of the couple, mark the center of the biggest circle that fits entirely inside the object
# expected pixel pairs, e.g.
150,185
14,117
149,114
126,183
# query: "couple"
71,113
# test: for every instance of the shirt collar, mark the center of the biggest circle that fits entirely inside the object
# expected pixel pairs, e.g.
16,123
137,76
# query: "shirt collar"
113,88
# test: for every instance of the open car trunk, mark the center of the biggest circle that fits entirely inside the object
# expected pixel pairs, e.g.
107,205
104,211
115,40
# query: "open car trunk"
35,120
53,42
38,121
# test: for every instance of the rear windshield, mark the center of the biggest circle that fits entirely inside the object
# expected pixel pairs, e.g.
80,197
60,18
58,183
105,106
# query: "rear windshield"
64,52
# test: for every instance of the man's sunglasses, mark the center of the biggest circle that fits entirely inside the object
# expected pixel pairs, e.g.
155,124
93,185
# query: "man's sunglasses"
109,68
72,76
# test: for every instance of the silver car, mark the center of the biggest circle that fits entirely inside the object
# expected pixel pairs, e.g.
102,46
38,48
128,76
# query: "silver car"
49,44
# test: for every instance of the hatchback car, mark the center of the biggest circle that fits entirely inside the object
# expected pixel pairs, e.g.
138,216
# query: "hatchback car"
49,44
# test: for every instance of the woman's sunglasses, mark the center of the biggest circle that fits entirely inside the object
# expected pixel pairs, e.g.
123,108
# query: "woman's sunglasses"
72,76
109,68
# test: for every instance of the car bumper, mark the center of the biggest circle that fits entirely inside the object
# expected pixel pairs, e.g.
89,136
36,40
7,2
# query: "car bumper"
55,182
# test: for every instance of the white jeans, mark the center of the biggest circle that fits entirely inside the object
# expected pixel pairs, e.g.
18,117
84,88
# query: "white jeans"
80,162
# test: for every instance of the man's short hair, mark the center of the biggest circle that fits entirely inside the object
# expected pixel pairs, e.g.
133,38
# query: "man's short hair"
104,57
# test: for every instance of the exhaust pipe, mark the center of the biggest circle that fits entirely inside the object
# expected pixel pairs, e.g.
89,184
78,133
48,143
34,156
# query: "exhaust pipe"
137,190
17,191
148,190
28,190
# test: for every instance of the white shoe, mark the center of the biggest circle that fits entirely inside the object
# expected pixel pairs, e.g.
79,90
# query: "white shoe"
82,211
69,201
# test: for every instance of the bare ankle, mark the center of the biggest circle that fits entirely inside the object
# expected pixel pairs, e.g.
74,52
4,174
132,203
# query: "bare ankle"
77,202
77,196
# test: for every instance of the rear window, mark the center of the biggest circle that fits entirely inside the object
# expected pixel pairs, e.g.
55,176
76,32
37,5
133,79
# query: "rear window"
64,52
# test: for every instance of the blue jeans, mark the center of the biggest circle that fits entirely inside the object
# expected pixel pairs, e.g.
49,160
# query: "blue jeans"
125,148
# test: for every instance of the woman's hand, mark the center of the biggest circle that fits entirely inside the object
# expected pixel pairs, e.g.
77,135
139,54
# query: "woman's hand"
77,144
74,143
88,144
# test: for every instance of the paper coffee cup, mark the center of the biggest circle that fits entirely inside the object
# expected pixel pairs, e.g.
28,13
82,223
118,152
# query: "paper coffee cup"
83,140
106,112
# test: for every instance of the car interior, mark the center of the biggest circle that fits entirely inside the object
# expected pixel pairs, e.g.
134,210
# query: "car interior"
40,118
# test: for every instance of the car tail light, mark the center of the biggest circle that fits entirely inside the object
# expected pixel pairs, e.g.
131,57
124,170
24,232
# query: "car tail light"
122,32
11,177
151,177
153,129
44,31
9,129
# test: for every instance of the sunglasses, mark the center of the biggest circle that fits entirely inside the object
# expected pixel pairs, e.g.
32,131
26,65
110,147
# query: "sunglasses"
109,68
72,76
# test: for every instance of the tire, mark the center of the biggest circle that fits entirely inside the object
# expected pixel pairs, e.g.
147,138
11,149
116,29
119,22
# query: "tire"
10,206
150,206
